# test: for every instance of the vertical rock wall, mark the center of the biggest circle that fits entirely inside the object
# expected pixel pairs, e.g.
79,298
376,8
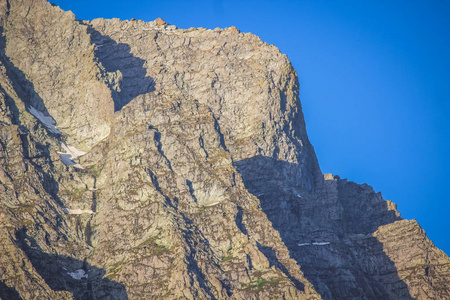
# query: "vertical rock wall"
141,160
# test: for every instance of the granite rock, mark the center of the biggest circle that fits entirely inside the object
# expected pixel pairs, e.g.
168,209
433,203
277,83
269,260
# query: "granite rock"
139,160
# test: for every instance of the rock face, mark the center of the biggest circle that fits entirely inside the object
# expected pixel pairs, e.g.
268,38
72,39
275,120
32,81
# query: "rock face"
139,160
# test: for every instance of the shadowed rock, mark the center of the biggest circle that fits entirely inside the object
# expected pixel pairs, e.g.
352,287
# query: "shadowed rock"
127,76
329,232
63,273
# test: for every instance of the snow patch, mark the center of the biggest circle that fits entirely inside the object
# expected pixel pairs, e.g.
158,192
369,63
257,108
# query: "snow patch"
321,243
78,211
71,154
48,121
73,151
212,204
78,274
314,244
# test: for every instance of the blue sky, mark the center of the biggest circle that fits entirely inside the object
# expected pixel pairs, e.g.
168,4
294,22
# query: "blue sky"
374,79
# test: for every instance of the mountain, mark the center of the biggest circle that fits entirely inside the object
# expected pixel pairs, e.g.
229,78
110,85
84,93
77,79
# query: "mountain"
143,161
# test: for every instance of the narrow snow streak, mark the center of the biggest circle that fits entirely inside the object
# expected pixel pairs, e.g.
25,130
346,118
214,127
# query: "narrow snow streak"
70,154
70,211
212,204
48,121
78,274
73,151
314,244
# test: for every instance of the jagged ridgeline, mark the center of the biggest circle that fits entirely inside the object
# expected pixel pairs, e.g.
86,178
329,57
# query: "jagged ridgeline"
143,161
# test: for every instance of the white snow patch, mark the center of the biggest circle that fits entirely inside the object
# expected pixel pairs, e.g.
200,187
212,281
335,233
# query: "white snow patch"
78,211
48,121
71,153
212,204
297,194
315,244
78,274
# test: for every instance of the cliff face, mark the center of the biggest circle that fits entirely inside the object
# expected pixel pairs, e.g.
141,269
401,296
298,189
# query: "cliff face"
139,160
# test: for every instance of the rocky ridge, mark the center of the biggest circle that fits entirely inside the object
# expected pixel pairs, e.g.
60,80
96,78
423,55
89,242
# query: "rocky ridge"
143,160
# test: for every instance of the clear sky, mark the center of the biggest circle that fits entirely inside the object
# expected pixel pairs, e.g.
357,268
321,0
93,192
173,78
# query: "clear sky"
375,84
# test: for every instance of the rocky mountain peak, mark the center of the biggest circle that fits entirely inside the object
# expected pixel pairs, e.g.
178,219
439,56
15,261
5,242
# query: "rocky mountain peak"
160,22
143,160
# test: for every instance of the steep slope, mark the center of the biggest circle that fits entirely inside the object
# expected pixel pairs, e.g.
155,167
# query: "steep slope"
194,177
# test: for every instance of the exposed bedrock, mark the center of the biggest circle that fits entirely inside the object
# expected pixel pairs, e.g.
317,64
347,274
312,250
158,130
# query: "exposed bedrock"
139,160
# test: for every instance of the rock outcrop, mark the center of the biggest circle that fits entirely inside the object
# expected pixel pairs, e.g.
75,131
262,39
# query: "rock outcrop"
139,160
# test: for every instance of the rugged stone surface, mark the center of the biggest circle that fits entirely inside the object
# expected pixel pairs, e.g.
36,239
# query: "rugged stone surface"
194,177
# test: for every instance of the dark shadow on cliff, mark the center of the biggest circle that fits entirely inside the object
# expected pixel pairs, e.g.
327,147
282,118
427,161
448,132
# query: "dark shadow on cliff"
8,293
59,271
271,256
30,98
130,77
268,252
305,220
40,150
24,89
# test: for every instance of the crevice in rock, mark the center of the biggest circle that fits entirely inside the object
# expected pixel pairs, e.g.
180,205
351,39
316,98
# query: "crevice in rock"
157,138
271,256
219,132
202,145
192,258
191,190
239,223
